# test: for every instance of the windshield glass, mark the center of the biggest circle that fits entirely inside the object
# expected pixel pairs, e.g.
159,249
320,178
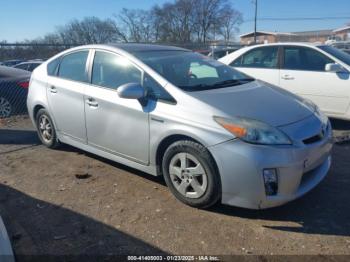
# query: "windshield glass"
341,55
192,71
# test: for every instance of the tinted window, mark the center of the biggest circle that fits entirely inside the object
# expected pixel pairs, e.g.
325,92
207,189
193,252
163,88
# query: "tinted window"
156,91
306,59
23,67
264,57
73,66
33,66
341,55
112,71
52,67
191,71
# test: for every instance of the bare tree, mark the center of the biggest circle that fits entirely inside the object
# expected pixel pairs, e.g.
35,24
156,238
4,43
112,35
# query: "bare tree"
206,13
91,30
136,24
229,21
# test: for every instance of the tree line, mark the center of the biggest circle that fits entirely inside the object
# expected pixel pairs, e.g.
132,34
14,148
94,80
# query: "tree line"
176,22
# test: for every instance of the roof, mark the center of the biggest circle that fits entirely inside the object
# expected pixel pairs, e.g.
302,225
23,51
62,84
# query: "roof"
303,33
12,72
136,47
341,29
314,32
265,33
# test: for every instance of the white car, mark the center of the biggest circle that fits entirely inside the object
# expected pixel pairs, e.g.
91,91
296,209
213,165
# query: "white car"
319,73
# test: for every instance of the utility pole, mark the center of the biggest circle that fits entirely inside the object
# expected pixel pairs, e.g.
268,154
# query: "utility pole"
256,15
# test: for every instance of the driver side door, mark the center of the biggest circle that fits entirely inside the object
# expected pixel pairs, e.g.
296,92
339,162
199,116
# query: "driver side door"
116,125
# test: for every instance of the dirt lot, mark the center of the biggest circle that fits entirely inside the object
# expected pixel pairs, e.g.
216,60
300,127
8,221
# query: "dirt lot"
51,207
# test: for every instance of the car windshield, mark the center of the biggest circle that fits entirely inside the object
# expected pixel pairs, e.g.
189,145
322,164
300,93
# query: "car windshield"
192,71
339,54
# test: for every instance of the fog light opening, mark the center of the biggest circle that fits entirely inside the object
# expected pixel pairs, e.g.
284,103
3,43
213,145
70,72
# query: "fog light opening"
270,181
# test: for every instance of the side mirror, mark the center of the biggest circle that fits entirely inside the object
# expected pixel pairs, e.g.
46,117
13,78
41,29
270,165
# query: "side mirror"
334,68
131,91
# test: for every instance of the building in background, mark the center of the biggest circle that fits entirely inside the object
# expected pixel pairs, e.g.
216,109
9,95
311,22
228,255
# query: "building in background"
322,36
343,33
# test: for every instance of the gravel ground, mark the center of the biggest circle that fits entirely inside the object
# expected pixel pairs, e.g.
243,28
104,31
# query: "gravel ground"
64,202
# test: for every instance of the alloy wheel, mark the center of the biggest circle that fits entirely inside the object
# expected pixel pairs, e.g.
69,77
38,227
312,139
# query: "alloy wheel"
188,175
45,128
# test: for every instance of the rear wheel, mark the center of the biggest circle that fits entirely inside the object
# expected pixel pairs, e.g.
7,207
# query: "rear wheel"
46,129
190,173
6,107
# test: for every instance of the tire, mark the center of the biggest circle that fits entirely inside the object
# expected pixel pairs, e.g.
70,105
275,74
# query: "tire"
46,129
6,107
182,163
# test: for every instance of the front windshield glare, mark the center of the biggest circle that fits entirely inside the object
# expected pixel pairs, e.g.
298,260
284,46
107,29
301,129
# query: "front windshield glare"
191,71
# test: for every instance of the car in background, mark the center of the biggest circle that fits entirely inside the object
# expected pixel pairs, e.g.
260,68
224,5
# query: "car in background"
29,65
212,132
12,62
320,73
13,91
218,53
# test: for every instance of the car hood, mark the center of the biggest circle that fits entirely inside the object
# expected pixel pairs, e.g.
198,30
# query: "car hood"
257,100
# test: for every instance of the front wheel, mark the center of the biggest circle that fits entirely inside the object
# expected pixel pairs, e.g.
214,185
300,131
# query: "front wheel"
46,129
191,174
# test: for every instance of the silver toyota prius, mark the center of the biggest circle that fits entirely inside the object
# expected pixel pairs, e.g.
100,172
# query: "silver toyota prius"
214,133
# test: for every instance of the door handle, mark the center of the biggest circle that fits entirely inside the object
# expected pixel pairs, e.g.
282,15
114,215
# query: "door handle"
92,102
287,77
53,89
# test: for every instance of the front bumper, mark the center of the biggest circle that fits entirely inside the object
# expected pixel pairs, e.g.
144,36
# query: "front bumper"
299,169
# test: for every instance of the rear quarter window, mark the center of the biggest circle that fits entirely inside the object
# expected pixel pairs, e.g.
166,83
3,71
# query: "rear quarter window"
52,67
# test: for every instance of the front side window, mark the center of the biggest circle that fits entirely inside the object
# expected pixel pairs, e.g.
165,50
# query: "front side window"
263,57
305,59
111,71
73,66
191,71
155,90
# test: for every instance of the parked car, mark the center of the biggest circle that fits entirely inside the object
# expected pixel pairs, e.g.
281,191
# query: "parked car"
11,62
211,131
316,72
13,91
217,53
29,65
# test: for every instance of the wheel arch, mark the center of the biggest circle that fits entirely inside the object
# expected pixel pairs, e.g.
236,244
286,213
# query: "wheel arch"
167,141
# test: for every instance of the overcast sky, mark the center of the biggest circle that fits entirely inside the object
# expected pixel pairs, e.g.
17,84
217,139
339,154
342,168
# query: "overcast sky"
28,19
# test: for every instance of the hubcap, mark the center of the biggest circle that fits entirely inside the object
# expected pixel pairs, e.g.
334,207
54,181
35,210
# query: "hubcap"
5,108
187,175
45,128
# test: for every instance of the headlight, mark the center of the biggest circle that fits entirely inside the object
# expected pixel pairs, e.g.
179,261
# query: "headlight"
253,131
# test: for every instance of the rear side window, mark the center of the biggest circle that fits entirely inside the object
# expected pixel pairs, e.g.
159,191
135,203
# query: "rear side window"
73,66
23,67
111,71
263,57
305,59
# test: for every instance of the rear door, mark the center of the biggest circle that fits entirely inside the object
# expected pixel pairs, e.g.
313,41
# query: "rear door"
117,125
65,93
260,63
303,73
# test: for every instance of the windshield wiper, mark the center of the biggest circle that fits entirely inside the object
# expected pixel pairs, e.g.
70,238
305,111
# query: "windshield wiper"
226,83
232,82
